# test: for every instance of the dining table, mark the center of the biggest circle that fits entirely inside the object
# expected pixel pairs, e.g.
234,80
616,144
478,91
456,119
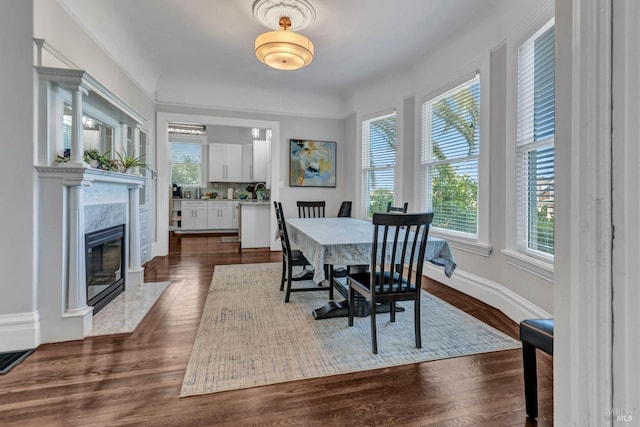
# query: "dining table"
348,241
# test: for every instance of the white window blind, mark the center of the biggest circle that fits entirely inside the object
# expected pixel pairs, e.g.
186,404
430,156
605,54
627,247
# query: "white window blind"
449,158
186,158
535,131
378,163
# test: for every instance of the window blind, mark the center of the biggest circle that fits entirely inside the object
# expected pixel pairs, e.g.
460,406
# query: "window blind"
449,157
378,163
185,159
535,167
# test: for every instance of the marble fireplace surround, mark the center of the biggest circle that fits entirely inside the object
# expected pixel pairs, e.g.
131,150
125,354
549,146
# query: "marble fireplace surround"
74,201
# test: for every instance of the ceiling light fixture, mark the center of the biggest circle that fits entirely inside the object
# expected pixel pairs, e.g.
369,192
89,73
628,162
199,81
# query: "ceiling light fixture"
284,49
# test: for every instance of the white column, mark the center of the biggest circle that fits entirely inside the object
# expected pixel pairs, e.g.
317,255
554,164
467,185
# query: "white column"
77,283
77,144
135,272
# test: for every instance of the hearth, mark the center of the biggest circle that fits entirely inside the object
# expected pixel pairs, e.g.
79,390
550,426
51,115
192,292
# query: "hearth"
105,266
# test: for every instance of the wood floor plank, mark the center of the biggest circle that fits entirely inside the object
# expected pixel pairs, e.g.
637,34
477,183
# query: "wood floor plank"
135,379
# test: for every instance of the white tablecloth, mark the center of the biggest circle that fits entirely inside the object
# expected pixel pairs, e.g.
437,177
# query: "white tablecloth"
347,241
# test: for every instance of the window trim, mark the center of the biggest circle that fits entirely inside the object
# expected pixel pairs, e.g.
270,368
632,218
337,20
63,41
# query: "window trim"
533,262
479,244
397,193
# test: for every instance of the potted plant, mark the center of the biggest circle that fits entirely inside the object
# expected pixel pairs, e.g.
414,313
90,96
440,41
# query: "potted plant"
126,162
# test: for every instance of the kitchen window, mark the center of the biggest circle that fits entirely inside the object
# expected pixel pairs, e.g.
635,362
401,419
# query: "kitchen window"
186,160
379,143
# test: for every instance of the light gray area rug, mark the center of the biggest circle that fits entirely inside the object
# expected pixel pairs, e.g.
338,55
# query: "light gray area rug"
249,337
126,311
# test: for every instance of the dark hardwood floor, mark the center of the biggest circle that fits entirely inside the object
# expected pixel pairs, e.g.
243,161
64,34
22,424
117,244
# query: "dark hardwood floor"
135,379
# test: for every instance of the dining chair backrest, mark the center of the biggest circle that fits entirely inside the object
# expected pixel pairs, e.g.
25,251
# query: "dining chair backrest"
402,209
311,209
345,209
282,230
406,248
287,252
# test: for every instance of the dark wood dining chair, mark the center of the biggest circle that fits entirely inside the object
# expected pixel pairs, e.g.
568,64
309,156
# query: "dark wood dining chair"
293,258
311,209
402,209
398,239
345,209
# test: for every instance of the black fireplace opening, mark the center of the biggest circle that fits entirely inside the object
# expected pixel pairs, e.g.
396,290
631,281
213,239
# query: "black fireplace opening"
105,266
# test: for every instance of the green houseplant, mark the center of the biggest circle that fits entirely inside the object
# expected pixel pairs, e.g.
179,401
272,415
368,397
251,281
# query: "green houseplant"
126,162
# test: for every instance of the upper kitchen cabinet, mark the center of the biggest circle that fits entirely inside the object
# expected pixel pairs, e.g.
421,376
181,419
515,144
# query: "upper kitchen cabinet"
261,155
225,163
255,161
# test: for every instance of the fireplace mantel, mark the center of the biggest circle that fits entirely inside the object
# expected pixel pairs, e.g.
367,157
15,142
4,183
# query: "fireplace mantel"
64,194
89,175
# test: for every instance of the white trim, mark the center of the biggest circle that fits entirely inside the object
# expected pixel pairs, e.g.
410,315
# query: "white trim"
459,241
583,292
491,293
530,264
626,206
19,331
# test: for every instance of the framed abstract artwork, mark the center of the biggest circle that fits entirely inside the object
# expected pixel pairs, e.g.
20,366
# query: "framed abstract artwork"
312,163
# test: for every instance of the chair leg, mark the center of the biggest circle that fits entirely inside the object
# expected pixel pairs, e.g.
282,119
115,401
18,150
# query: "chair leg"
416,322
374,335
530,379
331,288
392,311
289,273
351,305
284,269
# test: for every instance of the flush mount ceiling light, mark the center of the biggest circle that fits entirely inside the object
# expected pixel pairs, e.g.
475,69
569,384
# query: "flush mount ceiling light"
284,49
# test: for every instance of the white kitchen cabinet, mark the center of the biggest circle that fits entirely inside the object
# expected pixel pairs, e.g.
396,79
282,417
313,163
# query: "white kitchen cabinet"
225,163
260,160
235,212
194,215
255,161
255,220
247,163
220,215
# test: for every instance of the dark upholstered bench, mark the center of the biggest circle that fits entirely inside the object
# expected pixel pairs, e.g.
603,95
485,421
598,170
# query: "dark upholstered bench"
534,333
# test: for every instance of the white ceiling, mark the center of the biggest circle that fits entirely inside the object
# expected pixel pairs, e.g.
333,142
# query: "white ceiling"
212,41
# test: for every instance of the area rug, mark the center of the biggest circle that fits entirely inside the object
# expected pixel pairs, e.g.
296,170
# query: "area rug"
249,337
126,311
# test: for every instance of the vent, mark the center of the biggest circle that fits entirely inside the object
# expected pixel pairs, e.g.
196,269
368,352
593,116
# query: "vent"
187,128
10,360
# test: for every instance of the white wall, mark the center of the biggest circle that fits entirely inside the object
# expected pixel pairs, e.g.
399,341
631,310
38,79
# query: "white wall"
516,292
19,323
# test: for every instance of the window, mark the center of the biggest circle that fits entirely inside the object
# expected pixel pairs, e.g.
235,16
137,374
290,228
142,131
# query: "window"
186,162
535,130
449,157
378,163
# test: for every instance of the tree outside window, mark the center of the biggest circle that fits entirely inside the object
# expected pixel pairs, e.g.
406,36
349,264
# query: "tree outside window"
379,161
450,146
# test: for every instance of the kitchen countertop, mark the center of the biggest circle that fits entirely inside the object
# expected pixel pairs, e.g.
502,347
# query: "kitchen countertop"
241,201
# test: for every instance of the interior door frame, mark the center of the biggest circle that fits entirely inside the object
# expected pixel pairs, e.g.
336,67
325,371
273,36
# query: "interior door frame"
162,152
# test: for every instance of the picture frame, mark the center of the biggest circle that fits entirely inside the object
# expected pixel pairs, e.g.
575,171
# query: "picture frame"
312,163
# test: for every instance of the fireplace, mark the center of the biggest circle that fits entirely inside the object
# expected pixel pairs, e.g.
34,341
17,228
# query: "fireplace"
105,265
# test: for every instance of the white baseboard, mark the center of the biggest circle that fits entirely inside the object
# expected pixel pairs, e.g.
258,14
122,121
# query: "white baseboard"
19,331
492,293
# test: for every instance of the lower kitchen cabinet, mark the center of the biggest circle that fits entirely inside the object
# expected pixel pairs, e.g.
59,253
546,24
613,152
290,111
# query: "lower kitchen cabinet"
219,216
194,215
